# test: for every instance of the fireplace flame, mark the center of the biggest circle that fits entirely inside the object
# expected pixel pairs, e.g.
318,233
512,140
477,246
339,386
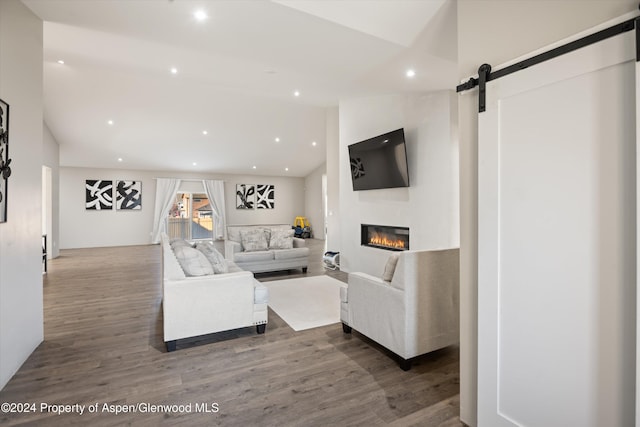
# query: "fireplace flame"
386,242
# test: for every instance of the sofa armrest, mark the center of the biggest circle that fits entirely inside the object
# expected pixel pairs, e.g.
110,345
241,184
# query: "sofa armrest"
367,290
299,243
230,248
202,305
377,310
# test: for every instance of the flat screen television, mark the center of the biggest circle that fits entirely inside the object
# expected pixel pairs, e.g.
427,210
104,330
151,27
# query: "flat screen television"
379,162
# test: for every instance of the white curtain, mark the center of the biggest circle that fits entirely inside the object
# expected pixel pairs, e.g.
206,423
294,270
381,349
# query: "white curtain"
215,193
166,189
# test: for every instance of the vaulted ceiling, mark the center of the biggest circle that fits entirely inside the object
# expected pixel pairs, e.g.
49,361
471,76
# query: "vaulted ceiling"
115,102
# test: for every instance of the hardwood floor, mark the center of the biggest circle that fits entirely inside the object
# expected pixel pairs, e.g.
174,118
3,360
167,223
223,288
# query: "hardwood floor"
103,345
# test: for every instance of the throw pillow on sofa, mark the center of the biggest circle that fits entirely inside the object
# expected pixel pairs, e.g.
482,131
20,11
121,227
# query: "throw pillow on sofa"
390,268
179,242
254,240
192,261
281,239
216,259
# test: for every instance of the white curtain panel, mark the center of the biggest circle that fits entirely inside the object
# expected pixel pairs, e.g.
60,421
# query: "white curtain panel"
166,189
215,193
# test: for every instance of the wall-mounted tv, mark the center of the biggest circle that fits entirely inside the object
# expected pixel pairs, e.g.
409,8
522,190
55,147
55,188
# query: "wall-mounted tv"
379,162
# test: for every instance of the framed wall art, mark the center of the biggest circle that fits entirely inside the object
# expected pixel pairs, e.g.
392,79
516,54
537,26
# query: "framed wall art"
265,196
98,194
128,195
245,196
5,161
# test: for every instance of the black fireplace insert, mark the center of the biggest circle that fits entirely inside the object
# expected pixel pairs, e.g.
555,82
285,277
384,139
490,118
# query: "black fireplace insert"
385,237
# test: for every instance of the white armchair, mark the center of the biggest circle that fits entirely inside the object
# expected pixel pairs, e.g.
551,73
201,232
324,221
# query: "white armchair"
414,313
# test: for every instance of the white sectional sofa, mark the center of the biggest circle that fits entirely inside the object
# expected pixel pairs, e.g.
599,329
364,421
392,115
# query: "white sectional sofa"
262,248
208,303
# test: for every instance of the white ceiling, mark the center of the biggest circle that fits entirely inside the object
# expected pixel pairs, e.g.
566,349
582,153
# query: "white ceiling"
237,72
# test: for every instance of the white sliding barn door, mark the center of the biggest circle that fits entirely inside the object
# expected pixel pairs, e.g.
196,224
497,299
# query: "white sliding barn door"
557,242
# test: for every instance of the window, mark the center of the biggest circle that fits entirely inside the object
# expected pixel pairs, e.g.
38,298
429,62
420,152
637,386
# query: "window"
190,217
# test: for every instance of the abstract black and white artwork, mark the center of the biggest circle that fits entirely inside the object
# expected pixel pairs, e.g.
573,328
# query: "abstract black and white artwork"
265,196
5,161
245,196
129,195
98,194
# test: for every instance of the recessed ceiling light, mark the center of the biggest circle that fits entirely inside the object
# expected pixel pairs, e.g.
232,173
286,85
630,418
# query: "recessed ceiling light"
204,132
411,73
110,122
314,143
286,169
195,164
119,159
277,139
174,70
296,93
255,167
60,61
200,15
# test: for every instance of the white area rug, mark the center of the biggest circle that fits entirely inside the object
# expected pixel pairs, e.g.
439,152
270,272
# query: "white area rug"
307,302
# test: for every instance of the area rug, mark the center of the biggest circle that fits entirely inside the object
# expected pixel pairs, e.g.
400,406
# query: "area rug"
306,302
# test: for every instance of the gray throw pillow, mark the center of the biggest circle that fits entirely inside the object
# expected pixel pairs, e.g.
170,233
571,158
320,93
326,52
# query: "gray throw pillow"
281,239
390,267
216,259
192,261
254,240
179,242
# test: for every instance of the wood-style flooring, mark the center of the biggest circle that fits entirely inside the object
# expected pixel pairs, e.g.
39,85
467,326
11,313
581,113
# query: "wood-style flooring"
103,345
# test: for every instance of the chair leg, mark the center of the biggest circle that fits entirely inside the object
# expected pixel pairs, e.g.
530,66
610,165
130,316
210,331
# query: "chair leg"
171,346
304,269
346,328
261,328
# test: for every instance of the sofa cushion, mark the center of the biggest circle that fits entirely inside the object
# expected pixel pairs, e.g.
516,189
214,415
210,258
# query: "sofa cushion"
291,253
253,256
216,259
192,261
281,239
233,268
179,242
254,240
233,233
390,267
279,227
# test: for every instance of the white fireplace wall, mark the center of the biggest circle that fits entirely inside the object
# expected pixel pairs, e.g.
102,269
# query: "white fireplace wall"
430,206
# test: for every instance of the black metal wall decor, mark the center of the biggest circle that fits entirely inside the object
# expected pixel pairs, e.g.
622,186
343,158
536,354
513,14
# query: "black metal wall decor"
5,161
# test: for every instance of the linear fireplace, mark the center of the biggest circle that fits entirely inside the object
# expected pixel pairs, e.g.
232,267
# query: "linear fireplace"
385,237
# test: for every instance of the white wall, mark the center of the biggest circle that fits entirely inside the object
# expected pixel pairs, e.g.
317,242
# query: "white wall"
80,228
429,207
493,32
333,181
313,201
21,307
51,159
